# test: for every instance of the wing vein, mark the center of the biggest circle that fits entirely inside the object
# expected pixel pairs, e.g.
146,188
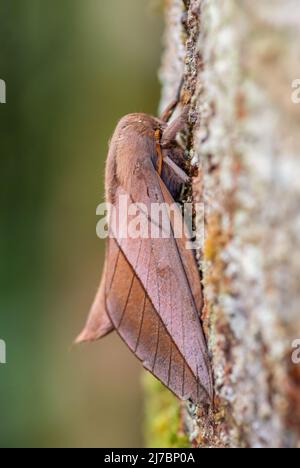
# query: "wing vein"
158,330
131,286
141,324
183,379
114,271
143,312
127,301
170,364
157,344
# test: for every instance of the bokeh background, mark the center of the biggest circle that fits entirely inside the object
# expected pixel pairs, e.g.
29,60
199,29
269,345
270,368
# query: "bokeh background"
72,68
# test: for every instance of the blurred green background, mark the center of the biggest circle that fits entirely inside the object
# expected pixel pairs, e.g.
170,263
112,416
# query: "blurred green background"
72,68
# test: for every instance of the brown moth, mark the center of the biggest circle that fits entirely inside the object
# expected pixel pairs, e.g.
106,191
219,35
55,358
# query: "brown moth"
150,291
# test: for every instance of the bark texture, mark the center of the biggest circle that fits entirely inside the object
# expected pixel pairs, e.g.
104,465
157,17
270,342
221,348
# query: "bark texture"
239,59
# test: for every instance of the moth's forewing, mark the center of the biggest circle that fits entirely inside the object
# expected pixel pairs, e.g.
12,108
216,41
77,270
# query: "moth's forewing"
141,327
159,266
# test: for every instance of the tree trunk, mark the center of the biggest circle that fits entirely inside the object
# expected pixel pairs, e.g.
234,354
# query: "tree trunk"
239,59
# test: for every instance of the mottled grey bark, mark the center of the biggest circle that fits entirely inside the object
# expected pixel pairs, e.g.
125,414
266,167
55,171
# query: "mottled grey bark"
239,59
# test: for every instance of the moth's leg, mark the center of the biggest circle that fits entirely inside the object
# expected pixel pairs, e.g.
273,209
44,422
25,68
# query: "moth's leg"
165,159
168,112
177,170
170,133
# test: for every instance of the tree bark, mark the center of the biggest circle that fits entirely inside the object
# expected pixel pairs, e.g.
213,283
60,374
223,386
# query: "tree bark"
239,59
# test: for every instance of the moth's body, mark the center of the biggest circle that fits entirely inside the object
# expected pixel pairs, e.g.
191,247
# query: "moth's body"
150,290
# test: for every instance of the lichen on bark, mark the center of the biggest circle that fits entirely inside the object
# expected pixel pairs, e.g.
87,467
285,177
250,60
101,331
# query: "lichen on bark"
239,59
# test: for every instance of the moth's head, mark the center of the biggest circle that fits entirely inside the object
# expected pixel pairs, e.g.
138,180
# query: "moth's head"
132,145
142,122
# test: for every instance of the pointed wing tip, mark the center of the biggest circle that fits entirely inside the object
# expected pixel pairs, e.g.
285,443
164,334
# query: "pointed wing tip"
210,398
206,400
89,336
210,394
205,396
83,337
207,384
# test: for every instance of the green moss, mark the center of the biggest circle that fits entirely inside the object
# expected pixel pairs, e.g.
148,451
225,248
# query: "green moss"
162,417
